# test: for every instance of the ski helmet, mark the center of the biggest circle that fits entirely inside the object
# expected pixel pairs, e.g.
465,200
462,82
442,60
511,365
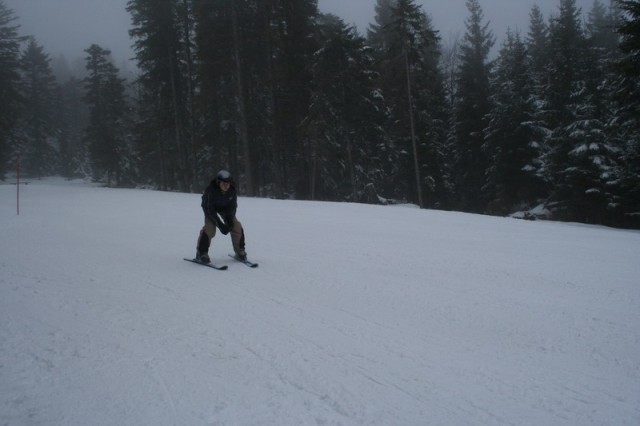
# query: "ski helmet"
224,176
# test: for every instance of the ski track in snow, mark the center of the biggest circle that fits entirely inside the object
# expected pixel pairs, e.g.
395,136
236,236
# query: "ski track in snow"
357,315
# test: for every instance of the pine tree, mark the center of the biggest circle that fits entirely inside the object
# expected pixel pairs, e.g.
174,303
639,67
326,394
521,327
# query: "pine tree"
601,27
407,51
538,52
343,131
163,43
383,17
106,133
538,46
627,123
39,128
581,158
601,53
258,68
512,135
73,116
472,106
9,81
567,51
229,49
294,22
433,122
216,99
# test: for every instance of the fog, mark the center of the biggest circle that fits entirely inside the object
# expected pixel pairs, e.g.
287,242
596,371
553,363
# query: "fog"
449,16
67,27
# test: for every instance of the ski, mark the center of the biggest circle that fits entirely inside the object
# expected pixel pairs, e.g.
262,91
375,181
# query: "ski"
210,265
246,262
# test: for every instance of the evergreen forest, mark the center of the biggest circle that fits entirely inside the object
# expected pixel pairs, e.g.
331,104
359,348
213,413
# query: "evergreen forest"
299,105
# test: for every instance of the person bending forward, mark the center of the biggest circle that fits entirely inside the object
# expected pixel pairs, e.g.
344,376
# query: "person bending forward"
219,203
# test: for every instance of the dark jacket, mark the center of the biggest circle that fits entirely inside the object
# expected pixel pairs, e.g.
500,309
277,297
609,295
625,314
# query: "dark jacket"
218,205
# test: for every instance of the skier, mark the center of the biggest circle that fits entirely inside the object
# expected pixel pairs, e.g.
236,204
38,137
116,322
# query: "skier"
219,203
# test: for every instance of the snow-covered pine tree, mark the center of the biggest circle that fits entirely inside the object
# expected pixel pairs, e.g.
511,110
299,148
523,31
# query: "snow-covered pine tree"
581,158
511,142
627,122
408,53
537,43
343,132
471,108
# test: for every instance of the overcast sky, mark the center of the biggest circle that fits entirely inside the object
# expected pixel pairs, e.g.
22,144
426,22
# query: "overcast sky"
69,26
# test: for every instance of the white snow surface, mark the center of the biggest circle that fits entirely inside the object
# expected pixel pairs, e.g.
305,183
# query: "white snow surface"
357,315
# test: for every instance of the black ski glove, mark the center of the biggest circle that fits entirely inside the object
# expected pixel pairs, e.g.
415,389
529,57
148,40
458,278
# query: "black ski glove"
229,222
223,227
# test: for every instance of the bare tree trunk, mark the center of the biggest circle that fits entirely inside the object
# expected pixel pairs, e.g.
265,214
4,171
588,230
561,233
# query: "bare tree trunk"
350,162
416,163
313,168
242,117
181,163
191,151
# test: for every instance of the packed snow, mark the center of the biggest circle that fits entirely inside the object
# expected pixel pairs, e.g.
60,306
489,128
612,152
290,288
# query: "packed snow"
357,315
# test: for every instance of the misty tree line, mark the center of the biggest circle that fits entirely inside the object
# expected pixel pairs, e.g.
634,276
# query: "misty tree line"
300,105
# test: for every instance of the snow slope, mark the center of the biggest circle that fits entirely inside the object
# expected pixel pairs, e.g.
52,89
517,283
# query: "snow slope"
357,315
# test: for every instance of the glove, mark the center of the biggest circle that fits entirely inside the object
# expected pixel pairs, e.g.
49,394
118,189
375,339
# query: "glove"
223,227
229,222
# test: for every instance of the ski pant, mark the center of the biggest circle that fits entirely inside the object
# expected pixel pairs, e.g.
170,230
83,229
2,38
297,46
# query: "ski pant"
209,229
